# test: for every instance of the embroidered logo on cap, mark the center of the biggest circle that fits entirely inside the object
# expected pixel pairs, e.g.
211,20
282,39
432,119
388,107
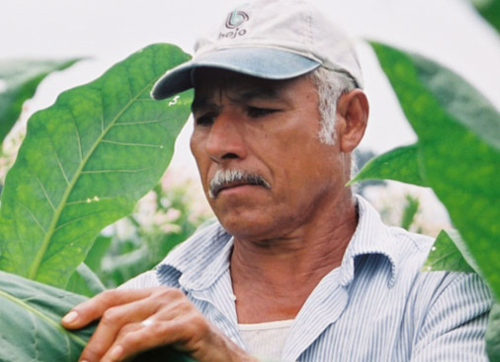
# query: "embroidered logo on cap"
234,20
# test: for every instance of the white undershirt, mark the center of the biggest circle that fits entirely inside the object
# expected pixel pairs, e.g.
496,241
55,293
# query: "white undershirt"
265,340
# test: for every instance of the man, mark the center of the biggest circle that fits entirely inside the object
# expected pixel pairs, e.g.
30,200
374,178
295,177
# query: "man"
297,267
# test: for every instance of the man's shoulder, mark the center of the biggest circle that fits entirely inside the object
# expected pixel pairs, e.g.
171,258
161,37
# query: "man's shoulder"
427,286
405,253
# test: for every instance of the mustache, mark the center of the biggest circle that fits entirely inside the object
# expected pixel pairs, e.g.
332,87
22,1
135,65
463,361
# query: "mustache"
226,178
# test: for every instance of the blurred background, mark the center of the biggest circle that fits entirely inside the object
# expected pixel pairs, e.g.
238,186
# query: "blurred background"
105,32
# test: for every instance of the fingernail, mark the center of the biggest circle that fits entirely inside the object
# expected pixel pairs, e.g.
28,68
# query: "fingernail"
70,317
116,353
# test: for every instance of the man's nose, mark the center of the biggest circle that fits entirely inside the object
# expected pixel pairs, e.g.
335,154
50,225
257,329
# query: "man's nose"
226,139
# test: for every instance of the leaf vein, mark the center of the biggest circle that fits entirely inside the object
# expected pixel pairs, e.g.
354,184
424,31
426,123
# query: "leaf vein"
131,144
76,219
45,192
78,138
45,243
135,123
116,171
34,218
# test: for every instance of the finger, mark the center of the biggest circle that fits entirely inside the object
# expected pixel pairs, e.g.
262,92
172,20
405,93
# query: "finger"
115,321
175,313
94,308
158,333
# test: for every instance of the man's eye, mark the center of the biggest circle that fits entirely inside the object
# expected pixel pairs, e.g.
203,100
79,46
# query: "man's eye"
256,112
206,119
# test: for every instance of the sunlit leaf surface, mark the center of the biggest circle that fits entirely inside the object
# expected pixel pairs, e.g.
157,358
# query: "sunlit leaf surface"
458,146
84,164
400,164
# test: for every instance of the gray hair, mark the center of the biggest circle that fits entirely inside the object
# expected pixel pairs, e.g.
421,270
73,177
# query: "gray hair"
331,85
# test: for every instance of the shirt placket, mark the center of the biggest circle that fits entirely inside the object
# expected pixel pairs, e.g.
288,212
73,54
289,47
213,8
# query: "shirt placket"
220,306
324,307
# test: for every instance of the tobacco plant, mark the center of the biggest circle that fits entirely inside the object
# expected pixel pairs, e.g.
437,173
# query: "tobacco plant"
458,155
84,164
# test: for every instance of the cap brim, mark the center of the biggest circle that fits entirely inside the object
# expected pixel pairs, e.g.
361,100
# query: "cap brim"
265,63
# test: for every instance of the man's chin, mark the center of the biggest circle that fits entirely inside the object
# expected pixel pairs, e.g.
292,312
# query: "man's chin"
246,224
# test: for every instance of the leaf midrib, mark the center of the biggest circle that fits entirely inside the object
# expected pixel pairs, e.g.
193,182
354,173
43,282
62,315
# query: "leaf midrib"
42,316
46,241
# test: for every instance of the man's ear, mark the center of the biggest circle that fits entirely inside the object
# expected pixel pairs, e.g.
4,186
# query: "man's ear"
352,117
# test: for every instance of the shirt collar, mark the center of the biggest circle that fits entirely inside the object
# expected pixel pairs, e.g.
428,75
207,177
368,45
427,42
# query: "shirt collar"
199,261
371,237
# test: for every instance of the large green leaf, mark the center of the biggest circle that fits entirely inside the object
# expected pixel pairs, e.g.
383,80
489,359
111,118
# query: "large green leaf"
30,325
400,164
18,82
448,254
490,10
84,164
459,149
30,322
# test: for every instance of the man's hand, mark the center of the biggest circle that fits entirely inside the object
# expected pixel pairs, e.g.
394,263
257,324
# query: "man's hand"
133,321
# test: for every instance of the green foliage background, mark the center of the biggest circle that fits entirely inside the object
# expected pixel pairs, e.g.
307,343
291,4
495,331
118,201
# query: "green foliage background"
84,164
457,154
89,158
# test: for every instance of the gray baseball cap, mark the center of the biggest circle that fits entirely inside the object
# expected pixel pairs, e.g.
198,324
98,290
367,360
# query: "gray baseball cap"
271,39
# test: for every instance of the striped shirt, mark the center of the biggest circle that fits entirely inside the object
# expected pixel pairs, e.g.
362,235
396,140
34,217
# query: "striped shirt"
376,306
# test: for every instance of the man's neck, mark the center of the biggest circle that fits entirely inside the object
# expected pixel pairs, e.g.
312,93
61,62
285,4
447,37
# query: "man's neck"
273,278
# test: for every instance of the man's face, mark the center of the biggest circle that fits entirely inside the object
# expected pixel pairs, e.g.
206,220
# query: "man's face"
268,129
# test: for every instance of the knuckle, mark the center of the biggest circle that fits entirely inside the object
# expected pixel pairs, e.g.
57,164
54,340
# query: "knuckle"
111,316
170,293
132,341
109,294
126,330
176,293
187,308
200,324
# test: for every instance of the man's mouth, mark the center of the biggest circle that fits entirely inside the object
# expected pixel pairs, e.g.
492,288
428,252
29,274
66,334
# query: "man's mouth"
216,190
225,179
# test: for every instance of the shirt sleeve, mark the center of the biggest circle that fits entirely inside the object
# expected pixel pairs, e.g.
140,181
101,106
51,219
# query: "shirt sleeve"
454,326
